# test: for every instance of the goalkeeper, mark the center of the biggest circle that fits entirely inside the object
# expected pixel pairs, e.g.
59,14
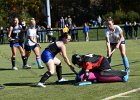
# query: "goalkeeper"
98,67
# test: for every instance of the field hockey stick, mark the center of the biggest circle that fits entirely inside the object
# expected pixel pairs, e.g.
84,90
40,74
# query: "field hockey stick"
112,52
10,39
72,68
74,71
39,45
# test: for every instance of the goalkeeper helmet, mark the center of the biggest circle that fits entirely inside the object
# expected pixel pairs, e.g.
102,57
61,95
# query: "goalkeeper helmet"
77,59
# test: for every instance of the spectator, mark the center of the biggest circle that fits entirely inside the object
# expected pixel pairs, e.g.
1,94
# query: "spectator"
126,29
1,35
135,26
85,31
24,28
49,34
99,21
69,23
74,33
39,32
66,21
65,29
130,30
62,22
42,34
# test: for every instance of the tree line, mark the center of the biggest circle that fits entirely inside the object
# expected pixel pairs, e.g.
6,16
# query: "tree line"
80,10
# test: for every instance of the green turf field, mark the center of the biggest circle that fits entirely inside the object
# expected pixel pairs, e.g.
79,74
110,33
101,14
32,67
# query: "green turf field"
20,85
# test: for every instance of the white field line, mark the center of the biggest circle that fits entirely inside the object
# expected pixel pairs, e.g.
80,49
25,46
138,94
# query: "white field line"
121,94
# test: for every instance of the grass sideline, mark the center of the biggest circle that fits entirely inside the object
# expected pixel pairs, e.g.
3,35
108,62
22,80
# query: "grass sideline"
20,85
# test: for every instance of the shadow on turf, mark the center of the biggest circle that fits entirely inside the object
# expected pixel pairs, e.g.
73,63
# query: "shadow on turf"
2,69
18,84
71,82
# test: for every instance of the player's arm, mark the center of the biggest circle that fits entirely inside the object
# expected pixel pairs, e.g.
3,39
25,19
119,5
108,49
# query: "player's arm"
9,33
64,54
108,46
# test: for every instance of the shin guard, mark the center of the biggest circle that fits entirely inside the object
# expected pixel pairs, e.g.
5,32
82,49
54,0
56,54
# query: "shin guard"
59,71
13,61
45,77
126,63
24,59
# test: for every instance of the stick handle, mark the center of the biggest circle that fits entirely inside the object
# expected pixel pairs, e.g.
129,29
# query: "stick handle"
112,52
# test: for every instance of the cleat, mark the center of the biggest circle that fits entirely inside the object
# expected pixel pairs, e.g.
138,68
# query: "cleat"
41,85
61,80
127,70
40,67
14,68
125,78
26,66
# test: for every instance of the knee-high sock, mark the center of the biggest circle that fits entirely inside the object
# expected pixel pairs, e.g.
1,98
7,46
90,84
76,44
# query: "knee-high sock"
59,71
125,62
13,61
45,77
24,59
109,60
38,60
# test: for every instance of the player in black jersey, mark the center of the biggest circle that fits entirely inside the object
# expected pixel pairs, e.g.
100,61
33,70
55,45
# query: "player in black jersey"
15,38
49,58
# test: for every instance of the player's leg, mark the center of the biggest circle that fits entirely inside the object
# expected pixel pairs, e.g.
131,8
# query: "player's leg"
59,70
124,57
13,58
112,47
38,59
24,58
125,61
27,51
50,66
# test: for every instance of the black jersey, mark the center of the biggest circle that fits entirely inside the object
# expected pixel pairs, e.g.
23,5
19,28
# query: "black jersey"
53,48
91,58
92,61
17,34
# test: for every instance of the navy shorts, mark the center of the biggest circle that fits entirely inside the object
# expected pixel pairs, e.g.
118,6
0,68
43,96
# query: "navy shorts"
16,44
46,56
29,48
114,44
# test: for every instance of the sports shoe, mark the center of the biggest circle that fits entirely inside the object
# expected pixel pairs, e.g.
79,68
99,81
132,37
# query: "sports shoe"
125,78
127,70
41,85
14,68
62,80
41,67
26,66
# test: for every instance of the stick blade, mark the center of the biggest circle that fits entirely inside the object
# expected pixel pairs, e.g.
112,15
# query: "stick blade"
83,83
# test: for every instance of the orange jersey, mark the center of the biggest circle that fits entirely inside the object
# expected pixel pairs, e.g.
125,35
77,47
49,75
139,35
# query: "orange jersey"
89,64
